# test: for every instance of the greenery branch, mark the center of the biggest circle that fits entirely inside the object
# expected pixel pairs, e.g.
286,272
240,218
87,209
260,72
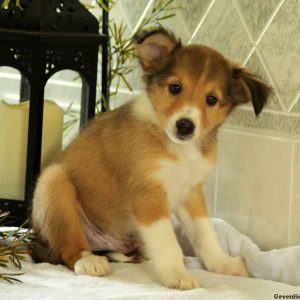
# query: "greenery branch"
121,51
5,3
14,244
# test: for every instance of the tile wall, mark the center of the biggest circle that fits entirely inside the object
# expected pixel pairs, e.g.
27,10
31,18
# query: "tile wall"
256,186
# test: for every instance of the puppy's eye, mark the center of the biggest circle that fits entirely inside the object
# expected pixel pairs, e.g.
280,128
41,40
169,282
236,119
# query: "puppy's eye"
211,100
175,88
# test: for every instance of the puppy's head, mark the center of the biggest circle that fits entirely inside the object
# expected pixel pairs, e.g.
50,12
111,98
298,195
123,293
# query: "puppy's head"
193,88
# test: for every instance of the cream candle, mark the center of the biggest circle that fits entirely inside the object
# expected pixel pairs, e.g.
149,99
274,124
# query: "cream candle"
13,143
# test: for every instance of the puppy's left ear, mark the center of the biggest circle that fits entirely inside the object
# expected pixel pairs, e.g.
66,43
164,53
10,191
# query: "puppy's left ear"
155,49
247,87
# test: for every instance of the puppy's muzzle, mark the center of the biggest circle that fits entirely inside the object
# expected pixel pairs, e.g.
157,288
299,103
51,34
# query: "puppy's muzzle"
185,128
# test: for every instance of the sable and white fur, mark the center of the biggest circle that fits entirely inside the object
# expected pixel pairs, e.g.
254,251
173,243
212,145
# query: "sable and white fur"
129,169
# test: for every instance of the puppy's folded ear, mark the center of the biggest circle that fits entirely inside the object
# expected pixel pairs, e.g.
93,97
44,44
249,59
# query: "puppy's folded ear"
247,87
155,49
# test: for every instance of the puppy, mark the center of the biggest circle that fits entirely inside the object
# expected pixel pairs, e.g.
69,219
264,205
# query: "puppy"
115,187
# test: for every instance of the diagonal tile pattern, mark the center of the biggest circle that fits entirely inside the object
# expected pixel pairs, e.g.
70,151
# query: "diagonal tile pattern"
280,48
296,106
222,29
265,35
256,14
254,64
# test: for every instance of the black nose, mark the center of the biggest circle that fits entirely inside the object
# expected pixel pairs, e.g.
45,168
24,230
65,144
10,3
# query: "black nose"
185,127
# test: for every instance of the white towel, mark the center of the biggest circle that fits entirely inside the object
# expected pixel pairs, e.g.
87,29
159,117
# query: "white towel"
137,281
281,265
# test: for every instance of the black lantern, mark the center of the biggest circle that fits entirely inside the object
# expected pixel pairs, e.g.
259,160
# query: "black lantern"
44,37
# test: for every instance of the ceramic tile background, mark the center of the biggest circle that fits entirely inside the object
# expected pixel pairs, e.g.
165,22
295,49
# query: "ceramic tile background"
263,35
256,186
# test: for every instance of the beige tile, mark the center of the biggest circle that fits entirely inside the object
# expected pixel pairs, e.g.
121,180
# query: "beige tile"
177,26
133,10
296,107
192,12
256,14
279,124
295,212
255,65
118,15
222,29
254,186
280,48
175,23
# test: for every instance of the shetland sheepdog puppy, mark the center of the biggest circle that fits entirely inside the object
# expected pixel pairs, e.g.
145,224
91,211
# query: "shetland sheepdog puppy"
116,185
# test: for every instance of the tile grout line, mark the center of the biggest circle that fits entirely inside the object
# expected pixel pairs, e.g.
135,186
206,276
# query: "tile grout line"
124,15
291,195
269,22
139,22
275,12
275,112
246,131
201,21
294,102
243,21
240,15
248,56
255,49
255,43
274,86
184,25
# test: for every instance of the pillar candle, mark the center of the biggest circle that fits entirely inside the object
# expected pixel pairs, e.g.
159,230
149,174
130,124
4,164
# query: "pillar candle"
13,143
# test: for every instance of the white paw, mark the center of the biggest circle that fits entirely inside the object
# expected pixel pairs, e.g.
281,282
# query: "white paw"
179,280
229,266
92,265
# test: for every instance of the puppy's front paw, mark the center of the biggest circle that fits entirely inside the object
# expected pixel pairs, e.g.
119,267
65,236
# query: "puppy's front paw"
179,280
230,266
237,266
93,265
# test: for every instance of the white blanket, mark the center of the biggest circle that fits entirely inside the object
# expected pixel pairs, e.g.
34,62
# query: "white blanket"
278,264
137,281
130,281
281,265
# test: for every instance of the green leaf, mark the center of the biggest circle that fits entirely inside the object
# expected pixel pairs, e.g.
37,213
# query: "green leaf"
121,48
11,279
166,17
103,5
126,82
6,3
4,265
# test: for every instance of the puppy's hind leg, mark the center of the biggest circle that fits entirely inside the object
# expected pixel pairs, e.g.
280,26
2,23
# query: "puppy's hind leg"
56,218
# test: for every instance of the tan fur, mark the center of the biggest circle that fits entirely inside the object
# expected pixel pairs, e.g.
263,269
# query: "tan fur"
195,203
106,187
56,214
115,171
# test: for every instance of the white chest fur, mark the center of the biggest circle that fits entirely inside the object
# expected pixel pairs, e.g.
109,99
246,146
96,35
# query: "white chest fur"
179,176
